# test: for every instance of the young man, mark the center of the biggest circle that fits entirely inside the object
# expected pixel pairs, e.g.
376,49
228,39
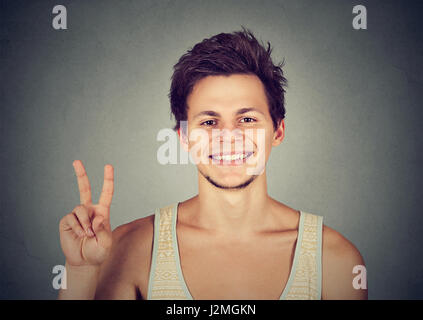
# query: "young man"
232,240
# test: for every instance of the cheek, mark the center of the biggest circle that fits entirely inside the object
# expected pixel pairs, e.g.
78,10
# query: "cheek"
269,142
264,141
198,145
268,149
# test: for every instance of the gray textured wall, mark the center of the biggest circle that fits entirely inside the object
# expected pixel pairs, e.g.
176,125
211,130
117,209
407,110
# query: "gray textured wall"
98,92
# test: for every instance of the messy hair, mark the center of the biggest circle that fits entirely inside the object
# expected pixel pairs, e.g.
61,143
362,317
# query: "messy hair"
225,54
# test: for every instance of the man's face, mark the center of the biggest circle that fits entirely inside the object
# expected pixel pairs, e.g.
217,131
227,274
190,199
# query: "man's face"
232,114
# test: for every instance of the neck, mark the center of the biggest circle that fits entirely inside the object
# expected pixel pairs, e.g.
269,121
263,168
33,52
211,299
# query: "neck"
232,212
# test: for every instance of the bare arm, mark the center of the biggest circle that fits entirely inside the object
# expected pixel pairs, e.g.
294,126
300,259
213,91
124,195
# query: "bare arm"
81,283
339,258
126,274
116,281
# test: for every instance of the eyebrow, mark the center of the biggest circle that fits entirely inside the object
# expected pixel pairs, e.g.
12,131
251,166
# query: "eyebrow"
216,114
245,110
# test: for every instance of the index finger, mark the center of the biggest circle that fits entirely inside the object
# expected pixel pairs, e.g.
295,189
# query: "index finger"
108,187
83,183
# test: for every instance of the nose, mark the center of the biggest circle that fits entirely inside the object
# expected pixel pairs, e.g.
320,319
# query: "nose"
227,139
227,133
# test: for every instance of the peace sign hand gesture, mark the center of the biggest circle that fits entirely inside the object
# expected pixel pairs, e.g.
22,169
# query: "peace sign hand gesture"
85,233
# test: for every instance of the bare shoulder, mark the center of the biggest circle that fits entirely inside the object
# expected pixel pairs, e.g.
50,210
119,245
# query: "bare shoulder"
124,275
140,228
134,241
337,246
339,260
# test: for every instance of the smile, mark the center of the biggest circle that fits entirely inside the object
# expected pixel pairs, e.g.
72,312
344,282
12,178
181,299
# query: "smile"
231,157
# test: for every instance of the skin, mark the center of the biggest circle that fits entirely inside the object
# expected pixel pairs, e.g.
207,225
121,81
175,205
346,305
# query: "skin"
241,247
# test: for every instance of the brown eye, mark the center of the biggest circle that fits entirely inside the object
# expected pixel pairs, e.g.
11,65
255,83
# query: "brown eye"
249,119
207,123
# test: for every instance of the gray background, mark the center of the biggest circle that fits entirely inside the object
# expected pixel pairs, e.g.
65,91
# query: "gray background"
98,92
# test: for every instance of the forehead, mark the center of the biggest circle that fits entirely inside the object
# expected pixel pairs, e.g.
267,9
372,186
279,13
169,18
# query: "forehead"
234,91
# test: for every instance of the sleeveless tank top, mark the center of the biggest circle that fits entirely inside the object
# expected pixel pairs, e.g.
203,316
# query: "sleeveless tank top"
166,281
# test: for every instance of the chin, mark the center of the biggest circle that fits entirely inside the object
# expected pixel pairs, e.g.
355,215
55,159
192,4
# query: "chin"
234,184
229,180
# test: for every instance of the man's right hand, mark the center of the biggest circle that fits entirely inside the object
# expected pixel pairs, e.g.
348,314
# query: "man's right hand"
85,233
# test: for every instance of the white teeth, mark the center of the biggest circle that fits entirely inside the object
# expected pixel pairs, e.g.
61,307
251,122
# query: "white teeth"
230,157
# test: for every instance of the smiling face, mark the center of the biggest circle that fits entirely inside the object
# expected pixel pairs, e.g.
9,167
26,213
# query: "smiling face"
233,113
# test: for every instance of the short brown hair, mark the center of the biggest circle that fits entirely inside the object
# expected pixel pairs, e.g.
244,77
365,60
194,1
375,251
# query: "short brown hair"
225,54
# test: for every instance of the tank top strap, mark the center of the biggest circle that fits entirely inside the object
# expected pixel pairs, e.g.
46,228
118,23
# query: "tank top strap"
164,282
307,282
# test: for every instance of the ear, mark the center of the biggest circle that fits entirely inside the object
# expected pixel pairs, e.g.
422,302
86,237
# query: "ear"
183,139
279,134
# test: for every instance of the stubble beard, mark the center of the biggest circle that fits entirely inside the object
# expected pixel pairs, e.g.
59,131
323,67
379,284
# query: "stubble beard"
237,187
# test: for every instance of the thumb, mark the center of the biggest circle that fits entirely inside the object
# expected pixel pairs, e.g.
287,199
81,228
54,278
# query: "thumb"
101,232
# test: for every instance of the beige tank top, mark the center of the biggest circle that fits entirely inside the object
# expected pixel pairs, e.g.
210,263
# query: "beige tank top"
167,282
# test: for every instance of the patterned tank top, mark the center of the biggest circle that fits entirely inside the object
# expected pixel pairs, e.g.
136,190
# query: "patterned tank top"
167,282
